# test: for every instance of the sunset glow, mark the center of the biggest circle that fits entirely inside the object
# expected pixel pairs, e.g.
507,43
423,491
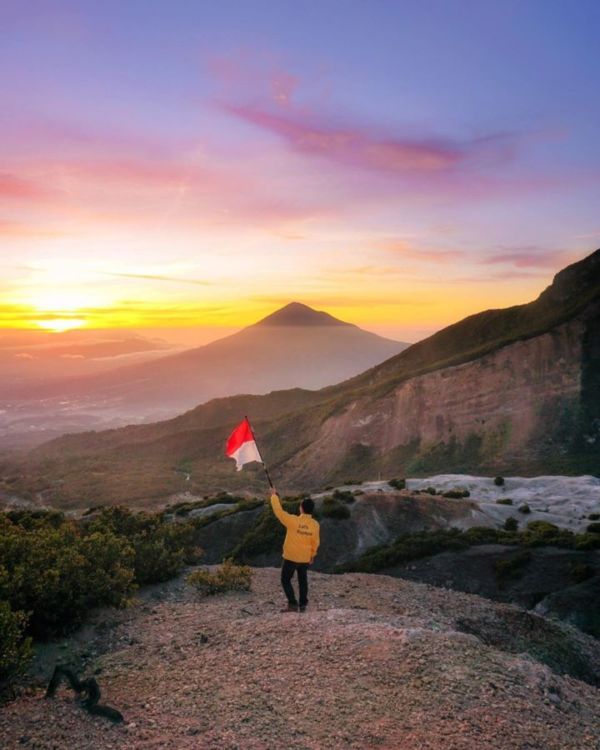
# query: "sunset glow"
198,174
59,325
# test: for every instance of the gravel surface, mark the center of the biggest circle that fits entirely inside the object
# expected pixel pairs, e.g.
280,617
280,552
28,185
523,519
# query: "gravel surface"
375,662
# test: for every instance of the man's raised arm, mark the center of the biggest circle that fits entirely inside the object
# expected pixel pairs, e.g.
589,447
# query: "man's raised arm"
284,517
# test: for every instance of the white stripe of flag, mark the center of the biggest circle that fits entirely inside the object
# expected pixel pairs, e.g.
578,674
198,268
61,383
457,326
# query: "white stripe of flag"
241,445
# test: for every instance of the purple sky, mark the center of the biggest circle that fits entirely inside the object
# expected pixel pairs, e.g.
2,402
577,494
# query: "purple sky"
400,164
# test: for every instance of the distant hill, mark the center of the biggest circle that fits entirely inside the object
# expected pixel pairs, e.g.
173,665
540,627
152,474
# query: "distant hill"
295,346
505,391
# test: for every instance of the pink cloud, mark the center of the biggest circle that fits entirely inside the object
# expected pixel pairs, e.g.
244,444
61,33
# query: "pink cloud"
352,146
531,257
18,188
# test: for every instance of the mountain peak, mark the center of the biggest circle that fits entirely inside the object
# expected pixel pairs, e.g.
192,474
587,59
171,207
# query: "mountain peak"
297,314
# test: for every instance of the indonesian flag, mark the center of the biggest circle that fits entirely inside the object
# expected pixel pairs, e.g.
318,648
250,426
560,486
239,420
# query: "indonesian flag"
241,445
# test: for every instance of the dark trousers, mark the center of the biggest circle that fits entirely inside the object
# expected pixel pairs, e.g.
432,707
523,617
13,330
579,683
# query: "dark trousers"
287,573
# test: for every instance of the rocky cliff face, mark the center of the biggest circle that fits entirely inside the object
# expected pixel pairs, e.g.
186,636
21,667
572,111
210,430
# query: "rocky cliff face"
506,409
515,390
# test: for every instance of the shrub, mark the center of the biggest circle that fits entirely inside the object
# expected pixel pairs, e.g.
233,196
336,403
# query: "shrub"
456,494
483,535
581,572
57,570
542,527
431,490
587,541
511,524
57,575
406,547
425,543
594,516
499,481
15,649
227,577
161,549
344,495
512,568
333,508
542,533
504,501
593,528
524,509
398,484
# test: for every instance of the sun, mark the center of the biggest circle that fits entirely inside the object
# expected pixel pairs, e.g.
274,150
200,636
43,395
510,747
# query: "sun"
59,325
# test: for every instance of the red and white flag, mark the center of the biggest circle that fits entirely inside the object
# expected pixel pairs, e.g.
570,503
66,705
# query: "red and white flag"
241,445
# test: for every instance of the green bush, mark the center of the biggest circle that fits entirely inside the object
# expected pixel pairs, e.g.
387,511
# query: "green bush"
425,543
227,577
398,484
15,648
542,533
456,494
542,527
499,481
57,570
431,490
333,508
484,535
581,572
161,549
406,547
507,570
34,519
525,509
504,501
511,524
593,528
587,541
59,574
344,495
594,516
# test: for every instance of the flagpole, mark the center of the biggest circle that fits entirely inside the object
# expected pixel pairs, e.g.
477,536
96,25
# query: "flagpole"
260,454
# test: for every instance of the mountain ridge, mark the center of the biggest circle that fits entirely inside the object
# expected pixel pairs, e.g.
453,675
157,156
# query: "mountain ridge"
508,391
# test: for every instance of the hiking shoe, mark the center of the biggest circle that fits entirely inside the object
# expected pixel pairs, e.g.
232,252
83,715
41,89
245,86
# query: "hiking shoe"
302,608
290,608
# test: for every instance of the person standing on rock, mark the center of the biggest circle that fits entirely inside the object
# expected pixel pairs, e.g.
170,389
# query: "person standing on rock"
299,549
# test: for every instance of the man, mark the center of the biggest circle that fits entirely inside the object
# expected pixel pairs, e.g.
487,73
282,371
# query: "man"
299,549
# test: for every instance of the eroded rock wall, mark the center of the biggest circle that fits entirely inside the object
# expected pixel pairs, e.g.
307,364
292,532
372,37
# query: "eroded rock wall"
506,402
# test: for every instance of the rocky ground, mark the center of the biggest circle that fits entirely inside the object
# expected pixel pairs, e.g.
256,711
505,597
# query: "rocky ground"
376,662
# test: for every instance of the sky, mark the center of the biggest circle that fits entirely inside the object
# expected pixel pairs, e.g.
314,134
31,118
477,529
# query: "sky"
190,166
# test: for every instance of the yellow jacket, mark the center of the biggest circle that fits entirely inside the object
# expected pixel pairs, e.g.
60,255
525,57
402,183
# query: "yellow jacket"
302,537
